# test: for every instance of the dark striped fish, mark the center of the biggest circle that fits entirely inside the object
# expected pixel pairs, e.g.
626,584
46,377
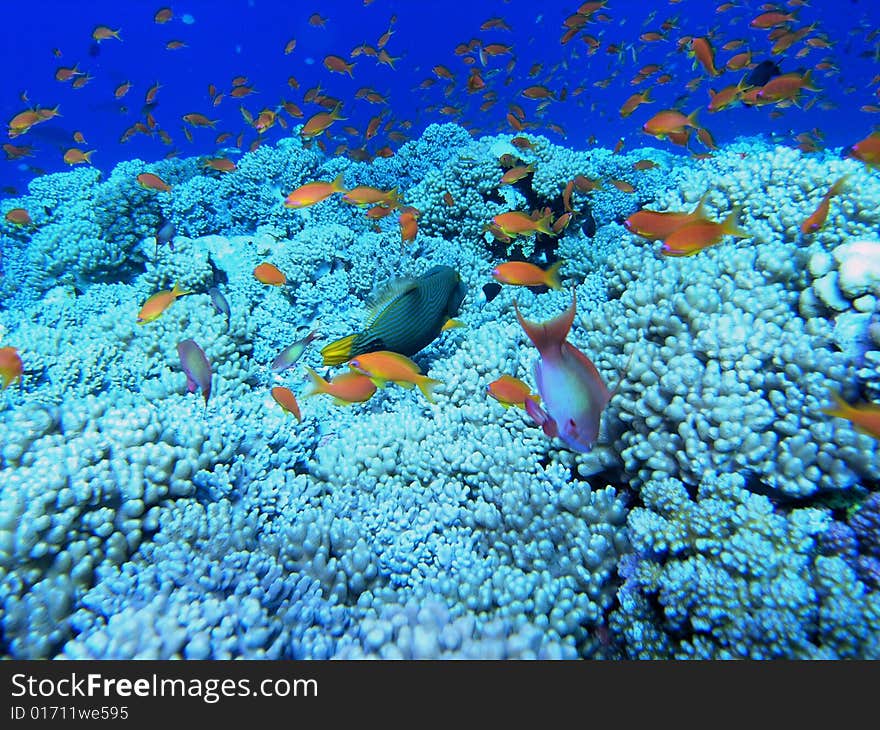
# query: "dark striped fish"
406,318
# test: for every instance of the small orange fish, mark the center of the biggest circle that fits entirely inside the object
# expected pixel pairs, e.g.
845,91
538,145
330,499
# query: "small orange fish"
158,303
817,217
516,223
288,48
409,225
319,122
867,150
701,50
622,185
153,182
515,174
122,89
693,237
384,366
317,21
346,388
314,192
163,15
270,274
175,45
362,195
338,65
10,366
150,96
222,164
18,216
668,121
75,156
285,398
655,225
865,417
103,33
510,391
199,120
522,273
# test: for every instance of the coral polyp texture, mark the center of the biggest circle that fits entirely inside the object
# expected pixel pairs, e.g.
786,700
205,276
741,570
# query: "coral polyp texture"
728,510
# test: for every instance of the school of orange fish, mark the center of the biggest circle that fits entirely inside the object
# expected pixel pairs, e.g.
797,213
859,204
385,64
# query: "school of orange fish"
488,71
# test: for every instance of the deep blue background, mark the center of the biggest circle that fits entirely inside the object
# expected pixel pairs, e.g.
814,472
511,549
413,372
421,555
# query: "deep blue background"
247,37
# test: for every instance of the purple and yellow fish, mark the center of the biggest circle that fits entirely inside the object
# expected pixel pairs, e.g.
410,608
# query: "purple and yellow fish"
197,368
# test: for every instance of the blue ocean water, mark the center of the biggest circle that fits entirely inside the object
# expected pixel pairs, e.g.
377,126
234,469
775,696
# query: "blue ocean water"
681,480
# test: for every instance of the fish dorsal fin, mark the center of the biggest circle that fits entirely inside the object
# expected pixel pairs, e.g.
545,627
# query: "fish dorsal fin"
389,294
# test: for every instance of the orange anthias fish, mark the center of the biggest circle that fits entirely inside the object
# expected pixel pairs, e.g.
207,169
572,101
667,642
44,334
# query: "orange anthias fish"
270,274
285,398
510,391
408,221
516,223
338,65
102,33
670,121
18,216
153,182
199,120
10,366
383,366
655,226
697,235
363,195
346,388
865,417
515,174
569,384
702,51
319,122
817,217
73,156
867,150
158,303
522,273
313,192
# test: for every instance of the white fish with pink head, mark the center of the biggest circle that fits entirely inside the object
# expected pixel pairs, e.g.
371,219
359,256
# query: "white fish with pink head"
571,389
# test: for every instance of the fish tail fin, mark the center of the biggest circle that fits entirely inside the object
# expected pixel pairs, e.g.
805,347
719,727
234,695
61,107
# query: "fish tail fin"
840,409
808,81
838,186
730,226
692,118
335,113
700,210
427,385
338,184
553,275
177,291
339,351
319,385
543,225
551,334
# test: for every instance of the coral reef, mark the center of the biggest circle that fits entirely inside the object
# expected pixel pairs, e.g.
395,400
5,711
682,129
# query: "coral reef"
139,521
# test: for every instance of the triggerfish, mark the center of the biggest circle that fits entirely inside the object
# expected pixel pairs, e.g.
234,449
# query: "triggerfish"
197,368
569,384
406,317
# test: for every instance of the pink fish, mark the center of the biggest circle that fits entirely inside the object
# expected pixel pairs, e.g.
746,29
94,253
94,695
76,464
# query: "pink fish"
570,387
196,367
